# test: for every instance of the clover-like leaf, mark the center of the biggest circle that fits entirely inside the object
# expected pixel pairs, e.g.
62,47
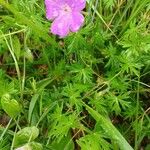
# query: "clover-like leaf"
25,135
10,106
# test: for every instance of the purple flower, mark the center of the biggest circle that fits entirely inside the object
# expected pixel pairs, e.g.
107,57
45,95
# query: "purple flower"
66,15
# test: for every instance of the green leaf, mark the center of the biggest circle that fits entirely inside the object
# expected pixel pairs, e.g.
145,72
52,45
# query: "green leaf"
36,146
109,128
7,88
82,74
94,141
25,135
147,147
32,106
109,3
66,142
10,106
31,146
22,19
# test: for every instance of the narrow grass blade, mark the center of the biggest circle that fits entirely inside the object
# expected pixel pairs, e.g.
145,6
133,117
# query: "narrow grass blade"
110,129
32,105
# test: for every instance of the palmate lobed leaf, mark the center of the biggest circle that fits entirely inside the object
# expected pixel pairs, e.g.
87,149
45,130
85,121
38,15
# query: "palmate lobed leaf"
82,73
7,87
94,141
61,125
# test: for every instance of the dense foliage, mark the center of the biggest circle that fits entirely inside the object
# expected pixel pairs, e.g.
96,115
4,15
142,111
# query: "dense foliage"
88,91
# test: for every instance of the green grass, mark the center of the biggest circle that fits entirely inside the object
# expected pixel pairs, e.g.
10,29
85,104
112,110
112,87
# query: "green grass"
88,91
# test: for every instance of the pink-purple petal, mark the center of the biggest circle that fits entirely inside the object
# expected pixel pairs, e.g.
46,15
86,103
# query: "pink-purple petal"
52,9
60,26
76,5
66,15
76,22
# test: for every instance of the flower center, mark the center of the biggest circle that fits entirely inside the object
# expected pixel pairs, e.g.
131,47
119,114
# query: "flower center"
66,8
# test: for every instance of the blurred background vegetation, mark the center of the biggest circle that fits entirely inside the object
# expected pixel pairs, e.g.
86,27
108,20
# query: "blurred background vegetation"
88,91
